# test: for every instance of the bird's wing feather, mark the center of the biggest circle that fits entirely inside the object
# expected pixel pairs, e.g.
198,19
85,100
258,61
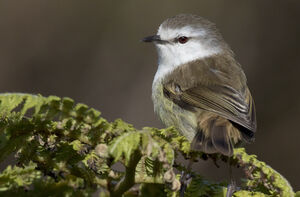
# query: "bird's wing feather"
220,93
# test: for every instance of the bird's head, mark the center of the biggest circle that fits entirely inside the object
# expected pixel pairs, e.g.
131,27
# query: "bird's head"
184,38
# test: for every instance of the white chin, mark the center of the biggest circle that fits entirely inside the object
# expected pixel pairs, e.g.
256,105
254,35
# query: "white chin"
170,57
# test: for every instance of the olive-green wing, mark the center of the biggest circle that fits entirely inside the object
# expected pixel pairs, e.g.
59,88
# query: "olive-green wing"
234,105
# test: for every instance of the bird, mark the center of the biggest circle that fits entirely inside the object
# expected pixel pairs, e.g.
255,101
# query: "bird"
199,87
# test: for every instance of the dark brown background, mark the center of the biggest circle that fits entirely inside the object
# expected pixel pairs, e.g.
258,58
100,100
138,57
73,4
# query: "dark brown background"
91,51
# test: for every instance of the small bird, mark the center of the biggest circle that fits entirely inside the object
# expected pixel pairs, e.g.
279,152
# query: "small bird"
199,88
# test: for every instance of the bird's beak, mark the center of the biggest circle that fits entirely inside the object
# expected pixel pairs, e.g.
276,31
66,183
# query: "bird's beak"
155,38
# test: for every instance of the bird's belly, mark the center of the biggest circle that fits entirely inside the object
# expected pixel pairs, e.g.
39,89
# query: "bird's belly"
173,115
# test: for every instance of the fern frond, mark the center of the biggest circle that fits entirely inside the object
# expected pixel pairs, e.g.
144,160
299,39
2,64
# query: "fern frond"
68,149
14,177
261,177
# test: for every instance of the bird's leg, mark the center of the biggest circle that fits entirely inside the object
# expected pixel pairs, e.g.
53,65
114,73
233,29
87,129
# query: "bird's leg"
185,179
231,188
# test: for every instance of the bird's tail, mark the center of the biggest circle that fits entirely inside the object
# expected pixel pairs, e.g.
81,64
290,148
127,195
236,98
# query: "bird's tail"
216,135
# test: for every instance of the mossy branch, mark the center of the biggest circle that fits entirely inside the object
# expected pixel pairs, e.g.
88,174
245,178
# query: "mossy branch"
68,149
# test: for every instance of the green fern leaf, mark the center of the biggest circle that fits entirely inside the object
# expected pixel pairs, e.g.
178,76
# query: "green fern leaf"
67,149
124,145
14,177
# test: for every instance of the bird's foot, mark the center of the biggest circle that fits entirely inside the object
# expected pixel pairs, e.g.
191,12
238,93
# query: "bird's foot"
185,180
231,188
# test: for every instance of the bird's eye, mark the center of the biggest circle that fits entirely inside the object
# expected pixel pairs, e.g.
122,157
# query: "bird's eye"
183,39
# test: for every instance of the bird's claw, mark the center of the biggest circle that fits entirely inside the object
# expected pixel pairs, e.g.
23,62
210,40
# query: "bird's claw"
231,188
185,180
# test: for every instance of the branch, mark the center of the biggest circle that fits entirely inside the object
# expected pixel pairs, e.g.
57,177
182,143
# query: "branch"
129,179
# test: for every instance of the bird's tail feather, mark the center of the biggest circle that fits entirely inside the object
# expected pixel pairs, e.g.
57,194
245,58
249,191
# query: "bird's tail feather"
217,135
220,138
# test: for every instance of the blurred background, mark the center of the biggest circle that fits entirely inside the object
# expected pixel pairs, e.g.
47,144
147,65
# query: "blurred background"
91,51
